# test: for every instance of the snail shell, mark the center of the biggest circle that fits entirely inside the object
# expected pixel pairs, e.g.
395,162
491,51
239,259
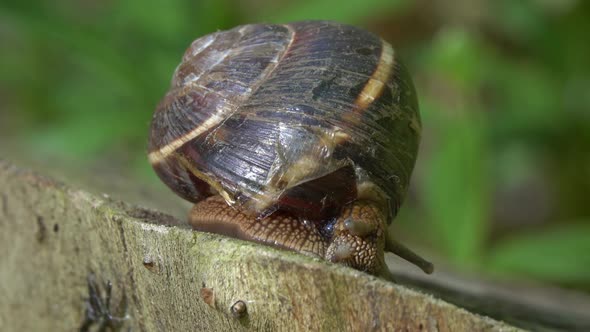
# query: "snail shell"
295,126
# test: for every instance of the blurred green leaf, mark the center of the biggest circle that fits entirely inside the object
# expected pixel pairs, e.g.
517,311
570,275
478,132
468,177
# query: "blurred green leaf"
349,11
456,179
457,189
152,20
529,100
461,56
522,18
558,255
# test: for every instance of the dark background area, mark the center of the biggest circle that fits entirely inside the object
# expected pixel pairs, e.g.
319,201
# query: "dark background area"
502,183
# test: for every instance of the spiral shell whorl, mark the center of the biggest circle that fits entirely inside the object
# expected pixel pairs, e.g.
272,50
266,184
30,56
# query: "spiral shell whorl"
259,112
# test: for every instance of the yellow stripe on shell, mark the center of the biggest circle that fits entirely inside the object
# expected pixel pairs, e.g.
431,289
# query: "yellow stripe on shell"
215,119
376,83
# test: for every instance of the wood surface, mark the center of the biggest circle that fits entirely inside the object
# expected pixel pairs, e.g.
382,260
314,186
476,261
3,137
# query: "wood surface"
63,249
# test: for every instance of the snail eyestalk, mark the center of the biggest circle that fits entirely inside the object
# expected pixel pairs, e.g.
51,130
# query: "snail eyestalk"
406,253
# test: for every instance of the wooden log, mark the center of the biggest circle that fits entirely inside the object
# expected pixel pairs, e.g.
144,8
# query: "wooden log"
76,261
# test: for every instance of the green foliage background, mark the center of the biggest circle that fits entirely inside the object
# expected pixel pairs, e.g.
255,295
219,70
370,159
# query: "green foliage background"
502,184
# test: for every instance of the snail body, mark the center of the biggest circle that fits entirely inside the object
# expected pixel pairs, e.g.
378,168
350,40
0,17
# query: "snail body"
308,130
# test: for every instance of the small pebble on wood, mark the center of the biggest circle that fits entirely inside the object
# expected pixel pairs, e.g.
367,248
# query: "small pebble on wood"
239,310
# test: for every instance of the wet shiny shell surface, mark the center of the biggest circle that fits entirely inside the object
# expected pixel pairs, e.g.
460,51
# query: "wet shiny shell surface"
293,116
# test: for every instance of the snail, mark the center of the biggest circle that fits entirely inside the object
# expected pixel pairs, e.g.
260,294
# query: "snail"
301,136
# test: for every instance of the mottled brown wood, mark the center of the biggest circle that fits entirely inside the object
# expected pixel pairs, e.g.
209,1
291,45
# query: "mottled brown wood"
62,248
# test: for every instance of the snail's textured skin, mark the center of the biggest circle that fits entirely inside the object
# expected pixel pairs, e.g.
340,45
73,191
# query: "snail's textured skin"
301,119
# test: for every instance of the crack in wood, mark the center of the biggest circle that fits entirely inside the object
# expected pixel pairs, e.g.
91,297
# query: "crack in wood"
131,274
4,205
